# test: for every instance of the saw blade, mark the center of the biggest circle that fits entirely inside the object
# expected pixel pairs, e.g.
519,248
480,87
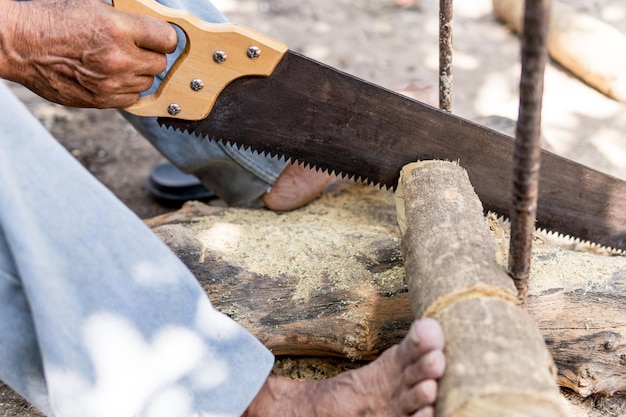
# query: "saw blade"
323,117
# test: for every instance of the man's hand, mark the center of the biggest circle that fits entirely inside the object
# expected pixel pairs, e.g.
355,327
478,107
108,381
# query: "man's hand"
81,53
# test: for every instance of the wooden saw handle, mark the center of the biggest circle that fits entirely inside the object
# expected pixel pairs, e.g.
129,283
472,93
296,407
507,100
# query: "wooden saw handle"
215,55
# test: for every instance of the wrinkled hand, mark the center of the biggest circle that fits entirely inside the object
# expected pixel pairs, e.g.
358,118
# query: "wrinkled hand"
82,53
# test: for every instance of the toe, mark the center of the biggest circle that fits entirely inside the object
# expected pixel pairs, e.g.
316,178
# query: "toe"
425,335
431,365
422,395
429,333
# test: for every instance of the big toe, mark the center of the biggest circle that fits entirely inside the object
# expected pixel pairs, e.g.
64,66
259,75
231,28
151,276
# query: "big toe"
425,336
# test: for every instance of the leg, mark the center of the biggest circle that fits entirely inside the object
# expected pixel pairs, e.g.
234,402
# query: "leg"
122,327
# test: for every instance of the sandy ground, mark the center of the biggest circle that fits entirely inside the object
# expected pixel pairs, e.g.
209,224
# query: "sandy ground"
387,44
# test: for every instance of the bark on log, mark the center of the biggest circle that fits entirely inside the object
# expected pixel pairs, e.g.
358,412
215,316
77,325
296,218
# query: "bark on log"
591,49
498,363
347,246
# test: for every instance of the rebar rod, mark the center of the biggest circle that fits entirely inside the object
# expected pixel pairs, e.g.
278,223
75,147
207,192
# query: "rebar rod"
445,55
527,155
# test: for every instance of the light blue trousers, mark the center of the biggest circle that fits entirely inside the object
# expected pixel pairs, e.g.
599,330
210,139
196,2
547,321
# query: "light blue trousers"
97,316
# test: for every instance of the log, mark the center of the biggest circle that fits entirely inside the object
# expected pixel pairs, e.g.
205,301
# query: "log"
591,49
579,302
329,280
498,363
290,279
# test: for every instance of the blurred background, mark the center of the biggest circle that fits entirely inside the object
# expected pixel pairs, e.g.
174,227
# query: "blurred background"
393,43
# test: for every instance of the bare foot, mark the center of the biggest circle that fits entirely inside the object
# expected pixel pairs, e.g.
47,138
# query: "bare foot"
402,382
295,187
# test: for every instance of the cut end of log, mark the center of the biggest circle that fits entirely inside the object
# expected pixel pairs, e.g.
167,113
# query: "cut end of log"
405,173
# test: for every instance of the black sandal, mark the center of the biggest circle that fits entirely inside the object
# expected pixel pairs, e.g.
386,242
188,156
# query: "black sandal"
172,187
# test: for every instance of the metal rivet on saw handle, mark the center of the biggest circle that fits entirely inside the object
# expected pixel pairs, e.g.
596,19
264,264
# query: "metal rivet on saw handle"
174,109
220,57
196,84
254,52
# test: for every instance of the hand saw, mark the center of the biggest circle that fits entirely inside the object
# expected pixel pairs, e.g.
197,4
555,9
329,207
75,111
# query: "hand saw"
238,86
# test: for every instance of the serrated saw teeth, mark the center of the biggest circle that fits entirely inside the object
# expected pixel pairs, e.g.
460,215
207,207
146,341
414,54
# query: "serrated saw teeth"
563,240
577,244
249,148
376,160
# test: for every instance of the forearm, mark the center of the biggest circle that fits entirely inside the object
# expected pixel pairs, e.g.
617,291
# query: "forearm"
8,19
81,53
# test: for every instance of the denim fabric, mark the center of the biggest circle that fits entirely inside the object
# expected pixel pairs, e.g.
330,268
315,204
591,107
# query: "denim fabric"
97,316
237,176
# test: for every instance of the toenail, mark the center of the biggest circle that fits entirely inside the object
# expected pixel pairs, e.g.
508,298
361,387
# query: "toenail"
413,335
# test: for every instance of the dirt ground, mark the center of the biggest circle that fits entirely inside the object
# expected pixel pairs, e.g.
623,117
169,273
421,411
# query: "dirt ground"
392,45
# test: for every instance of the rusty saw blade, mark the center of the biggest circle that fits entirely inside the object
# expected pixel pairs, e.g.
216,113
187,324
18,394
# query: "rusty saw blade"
238,86
313,113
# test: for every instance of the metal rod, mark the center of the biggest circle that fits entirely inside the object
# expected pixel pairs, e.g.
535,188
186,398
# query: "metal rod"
527,143
445,55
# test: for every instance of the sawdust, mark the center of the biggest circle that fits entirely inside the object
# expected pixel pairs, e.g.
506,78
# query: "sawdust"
305,241
573,269
571,264
312,368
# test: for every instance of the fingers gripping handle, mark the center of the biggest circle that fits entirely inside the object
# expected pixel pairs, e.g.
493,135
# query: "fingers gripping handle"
215,55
